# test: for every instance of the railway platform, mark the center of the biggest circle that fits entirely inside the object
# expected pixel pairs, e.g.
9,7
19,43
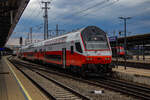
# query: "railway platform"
130,70
137,75
147,61
15,86
134,63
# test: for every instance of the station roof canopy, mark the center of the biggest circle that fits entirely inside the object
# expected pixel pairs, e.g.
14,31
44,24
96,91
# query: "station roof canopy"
136,39
10,13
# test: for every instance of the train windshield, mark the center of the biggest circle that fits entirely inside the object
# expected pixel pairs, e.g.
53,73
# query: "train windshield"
94,39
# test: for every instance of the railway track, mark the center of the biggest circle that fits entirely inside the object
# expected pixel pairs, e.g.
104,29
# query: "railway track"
58,91
136,90
126,88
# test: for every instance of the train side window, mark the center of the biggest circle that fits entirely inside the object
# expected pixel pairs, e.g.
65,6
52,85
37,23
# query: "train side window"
71,49
40,50
78,47
35,51
44,51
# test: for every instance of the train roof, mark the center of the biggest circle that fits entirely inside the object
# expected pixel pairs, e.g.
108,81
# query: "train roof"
41,43
71,36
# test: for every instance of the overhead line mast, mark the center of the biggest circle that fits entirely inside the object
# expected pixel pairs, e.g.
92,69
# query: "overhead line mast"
46,19
57,31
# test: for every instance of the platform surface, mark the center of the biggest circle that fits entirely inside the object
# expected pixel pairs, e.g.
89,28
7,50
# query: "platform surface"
135,71
15,86
9,89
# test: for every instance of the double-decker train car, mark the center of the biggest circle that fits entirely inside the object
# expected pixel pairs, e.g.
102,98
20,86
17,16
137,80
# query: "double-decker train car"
85,50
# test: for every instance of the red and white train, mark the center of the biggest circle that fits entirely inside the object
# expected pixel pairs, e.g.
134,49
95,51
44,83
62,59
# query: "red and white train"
85,50
118,51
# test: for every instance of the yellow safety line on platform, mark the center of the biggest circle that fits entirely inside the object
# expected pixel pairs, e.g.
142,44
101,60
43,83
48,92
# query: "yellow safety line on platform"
25,91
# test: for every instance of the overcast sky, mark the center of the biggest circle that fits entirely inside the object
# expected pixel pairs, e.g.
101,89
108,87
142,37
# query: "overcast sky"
74,14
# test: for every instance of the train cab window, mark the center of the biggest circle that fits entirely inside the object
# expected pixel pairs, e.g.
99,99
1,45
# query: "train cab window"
78,47
71,49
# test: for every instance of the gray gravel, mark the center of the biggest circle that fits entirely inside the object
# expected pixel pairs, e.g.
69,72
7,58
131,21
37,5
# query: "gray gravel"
86,89
56,91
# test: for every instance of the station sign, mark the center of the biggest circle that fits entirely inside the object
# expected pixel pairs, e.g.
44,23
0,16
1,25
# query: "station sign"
2,49
113,38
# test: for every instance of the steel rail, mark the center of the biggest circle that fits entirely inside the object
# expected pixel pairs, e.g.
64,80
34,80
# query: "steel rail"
52,80
36,84
138,91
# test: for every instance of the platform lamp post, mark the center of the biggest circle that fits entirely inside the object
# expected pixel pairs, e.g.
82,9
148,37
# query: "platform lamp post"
125,39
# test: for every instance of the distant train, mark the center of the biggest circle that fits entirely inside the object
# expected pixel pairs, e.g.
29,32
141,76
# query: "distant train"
118,51
86,51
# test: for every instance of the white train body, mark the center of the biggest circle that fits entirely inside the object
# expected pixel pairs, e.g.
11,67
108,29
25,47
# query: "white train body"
86,49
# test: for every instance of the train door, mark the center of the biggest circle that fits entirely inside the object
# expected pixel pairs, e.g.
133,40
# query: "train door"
64,57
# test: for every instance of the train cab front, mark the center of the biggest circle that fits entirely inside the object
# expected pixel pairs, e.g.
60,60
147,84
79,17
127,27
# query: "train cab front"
96,50
98,64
